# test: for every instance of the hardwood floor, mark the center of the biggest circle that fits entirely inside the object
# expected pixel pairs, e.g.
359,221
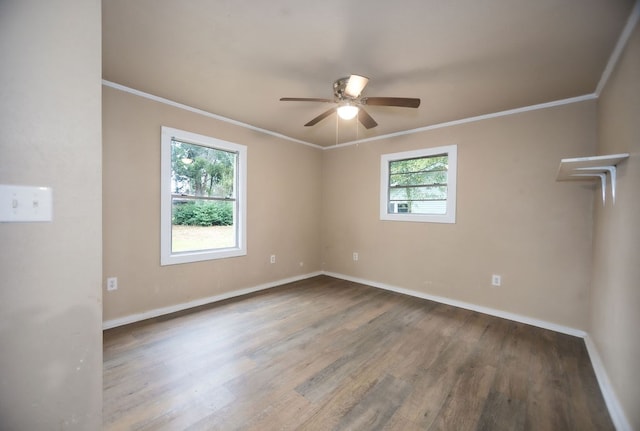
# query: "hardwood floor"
327,354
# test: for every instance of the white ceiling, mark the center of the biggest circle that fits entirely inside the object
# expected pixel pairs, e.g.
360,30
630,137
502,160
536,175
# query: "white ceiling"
236,58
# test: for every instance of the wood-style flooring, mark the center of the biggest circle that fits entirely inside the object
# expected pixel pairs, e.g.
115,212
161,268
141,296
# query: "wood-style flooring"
328,354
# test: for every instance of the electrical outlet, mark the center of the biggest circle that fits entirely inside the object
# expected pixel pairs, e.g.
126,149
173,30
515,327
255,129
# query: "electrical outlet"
496,280
112,283
355,255
273,258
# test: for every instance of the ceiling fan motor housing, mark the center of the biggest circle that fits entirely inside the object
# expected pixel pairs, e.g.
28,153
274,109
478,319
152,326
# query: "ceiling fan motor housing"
339,87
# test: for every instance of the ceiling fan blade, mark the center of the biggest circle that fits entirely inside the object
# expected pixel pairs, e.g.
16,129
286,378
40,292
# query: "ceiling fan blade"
355,85
366,119
404,102
321,117
304,99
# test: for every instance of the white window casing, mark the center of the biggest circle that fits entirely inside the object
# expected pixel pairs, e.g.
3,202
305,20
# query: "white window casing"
167,256
441,211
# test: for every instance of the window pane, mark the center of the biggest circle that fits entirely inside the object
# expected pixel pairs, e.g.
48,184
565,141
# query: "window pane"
197,170
418,207
203,198
421,164
418,193
418,178
199,224
428,207
419,185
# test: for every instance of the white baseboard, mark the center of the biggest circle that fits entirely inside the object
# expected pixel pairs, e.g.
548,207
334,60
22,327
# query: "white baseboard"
466,305
616,412
615,409
132,318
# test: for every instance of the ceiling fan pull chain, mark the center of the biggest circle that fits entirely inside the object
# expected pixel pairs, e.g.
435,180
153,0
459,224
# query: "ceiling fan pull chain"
337,125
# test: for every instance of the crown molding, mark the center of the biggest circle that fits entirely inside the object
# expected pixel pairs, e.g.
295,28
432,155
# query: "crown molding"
202,112
617,51
508,112
632,21
360,141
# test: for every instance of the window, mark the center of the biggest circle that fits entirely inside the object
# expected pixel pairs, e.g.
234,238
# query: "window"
203,198
419,185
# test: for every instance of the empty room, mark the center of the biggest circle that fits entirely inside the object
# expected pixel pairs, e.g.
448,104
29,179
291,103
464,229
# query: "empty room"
288,215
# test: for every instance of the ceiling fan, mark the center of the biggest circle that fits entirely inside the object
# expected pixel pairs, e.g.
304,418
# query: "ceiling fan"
347,93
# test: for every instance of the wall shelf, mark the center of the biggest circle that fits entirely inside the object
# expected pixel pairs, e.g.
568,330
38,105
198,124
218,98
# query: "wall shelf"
589,168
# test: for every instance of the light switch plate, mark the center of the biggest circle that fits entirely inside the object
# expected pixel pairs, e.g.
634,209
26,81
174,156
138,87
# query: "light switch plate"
25,203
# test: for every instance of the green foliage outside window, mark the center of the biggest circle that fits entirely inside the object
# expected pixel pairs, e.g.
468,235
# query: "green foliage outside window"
422,179
420,171
199,171
202,171
207,213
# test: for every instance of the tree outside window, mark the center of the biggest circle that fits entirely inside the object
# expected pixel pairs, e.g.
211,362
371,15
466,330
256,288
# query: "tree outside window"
203,189
419,185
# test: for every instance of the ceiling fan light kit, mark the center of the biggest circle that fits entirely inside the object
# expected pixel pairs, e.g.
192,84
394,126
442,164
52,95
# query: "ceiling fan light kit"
347,112
354,85
347,94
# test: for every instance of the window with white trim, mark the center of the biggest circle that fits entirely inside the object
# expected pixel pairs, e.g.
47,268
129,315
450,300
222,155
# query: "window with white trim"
203,197
419,185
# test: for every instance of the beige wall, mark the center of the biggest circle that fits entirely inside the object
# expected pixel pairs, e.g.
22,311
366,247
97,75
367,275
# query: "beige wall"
615,298
513,218
50,297
284,204
318,207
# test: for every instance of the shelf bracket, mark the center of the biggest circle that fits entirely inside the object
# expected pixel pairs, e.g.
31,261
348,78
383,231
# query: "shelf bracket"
603,182
593,167
612,177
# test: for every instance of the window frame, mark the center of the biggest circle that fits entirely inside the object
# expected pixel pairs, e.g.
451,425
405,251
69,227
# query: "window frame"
167,257
450,214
